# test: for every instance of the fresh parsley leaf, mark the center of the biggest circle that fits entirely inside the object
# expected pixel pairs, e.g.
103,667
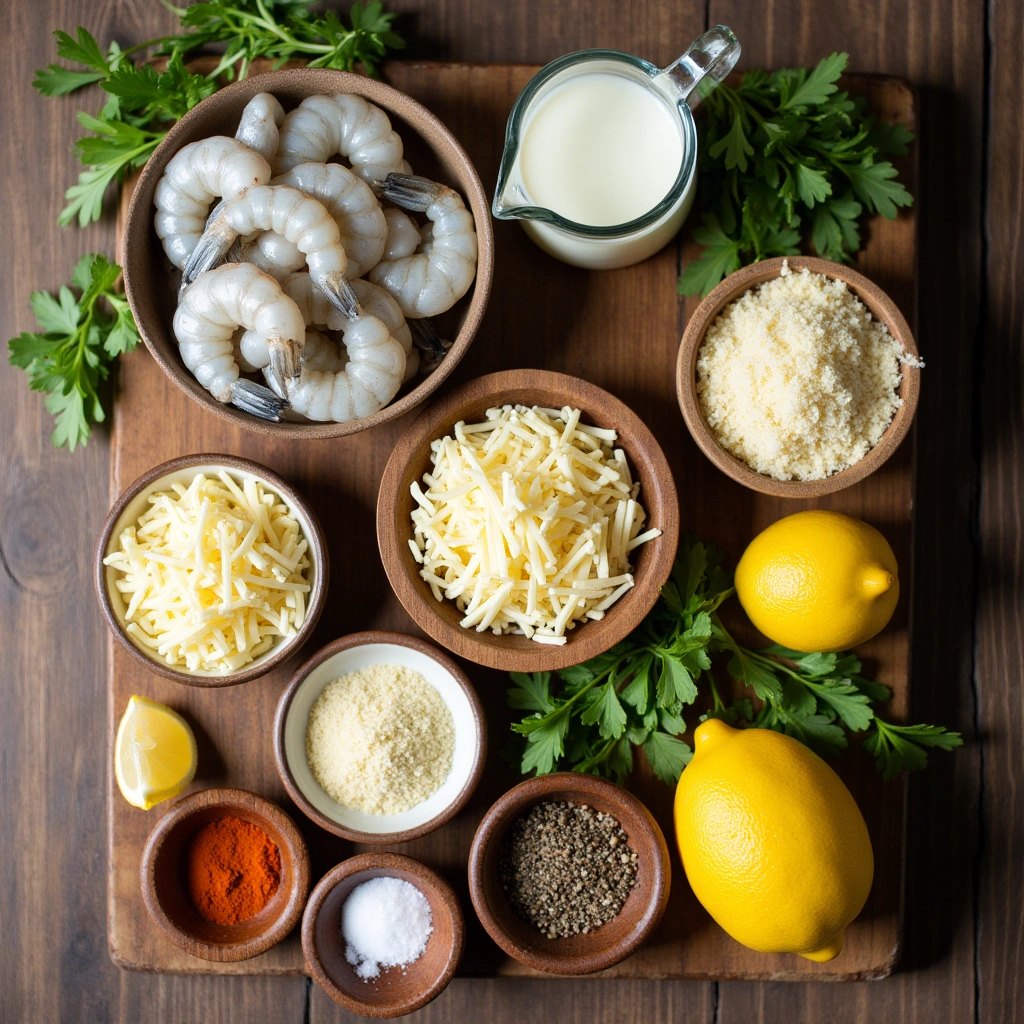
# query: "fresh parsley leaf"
900,748
72,354
604,710
531,692
783,155
667,756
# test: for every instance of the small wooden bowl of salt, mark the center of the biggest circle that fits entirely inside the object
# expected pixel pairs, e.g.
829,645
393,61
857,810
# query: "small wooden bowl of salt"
755,433
382,934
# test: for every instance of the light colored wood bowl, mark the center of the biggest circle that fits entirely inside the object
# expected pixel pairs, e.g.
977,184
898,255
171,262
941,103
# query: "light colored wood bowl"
347,655
605,946
130,505
882,309
396,991
433,152
167,899
411,459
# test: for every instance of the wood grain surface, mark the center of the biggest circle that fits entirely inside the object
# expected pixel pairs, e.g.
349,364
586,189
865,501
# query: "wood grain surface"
593,334
964,892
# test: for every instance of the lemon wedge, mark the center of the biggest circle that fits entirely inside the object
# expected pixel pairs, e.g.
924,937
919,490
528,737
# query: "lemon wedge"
154,753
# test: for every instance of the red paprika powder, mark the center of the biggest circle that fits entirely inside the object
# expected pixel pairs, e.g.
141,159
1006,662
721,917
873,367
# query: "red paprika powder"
233,870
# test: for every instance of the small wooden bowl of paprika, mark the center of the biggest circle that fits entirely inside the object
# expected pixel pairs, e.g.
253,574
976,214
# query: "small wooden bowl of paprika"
184,861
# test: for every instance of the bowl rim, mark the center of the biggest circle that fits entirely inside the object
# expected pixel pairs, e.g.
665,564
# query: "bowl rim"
361,640
438,419
317,547
228,799
882,308
387,862
510,805
394,102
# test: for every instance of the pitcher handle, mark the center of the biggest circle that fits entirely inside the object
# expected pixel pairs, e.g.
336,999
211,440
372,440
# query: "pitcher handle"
707,62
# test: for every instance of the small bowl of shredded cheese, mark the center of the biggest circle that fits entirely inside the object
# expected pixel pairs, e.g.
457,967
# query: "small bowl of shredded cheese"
379,738
528,520
211,569
798,377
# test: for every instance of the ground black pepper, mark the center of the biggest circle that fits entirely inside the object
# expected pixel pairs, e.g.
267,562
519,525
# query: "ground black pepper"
567,868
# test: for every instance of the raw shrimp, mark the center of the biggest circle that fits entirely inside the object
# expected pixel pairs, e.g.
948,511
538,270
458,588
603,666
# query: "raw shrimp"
351,203
345,125
219,302
403,237
317,311
370,380
440,272
259,126
297,218
196,175
319,352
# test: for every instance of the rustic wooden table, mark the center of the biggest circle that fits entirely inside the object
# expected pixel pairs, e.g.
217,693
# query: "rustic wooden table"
965,888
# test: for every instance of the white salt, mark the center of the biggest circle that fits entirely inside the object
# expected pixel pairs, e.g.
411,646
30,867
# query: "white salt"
385,922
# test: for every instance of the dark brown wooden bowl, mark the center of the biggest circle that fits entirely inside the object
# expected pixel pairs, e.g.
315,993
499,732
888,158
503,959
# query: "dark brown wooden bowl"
130,505
289,735
165,892
395,992
433,152
882,309
605,946
411,459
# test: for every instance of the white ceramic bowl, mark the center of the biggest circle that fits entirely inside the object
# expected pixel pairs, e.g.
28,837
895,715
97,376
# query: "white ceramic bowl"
349,654
135,500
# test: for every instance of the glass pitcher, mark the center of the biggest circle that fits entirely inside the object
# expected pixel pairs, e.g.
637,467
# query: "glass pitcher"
680,86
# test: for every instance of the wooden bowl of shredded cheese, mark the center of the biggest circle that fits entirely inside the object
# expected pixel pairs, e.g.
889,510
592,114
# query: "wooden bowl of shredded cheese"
798,377
211,570
527,520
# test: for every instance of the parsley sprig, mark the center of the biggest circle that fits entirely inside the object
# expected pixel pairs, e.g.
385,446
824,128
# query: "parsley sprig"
143,103
78,340
784,153
634,695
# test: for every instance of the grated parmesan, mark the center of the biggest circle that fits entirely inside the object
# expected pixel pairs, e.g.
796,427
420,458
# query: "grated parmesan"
527,522
212,574
380,739
797,379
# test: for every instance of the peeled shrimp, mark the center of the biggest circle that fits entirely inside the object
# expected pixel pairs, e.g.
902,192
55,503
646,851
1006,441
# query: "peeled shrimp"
439,273
317,311
219,302
298,219
403,237
344,125
259,126
369,381
196,175
351,203
319,352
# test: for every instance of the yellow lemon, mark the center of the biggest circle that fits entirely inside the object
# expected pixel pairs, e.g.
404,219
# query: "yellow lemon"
818,581
154,753
772,842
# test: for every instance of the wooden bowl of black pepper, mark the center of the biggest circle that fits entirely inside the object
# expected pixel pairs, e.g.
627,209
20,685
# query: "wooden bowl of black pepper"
546,908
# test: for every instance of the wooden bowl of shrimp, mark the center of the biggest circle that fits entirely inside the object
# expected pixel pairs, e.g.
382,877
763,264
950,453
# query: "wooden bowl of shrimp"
328,389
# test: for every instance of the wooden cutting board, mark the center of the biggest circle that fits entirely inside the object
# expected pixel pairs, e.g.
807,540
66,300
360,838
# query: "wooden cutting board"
621,330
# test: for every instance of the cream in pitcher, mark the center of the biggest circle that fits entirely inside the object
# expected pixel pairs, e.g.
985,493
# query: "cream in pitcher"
600,152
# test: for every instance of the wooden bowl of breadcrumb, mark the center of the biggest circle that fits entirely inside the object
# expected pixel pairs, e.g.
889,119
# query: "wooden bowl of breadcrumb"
342,792
688,385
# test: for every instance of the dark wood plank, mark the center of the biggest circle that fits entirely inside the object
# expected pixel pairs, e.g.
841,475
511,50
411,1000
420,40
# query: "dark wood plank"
1000,625
594,334
939,47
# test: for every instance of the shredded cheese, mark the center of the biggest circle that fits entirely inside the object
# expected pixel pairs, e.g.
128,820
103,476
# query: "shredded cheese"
527,522
213,575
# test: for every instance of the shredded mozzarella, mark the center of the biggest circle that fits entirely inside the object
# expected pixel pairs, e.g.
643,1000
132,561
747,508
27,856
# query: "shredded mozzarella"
213,575
527,522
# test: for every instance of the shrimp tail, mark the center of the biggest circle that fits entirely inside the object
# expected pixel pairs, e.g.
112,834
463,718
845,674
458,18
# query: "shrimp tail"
210,252
409,191
341,294
285,355
257,400
429,342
